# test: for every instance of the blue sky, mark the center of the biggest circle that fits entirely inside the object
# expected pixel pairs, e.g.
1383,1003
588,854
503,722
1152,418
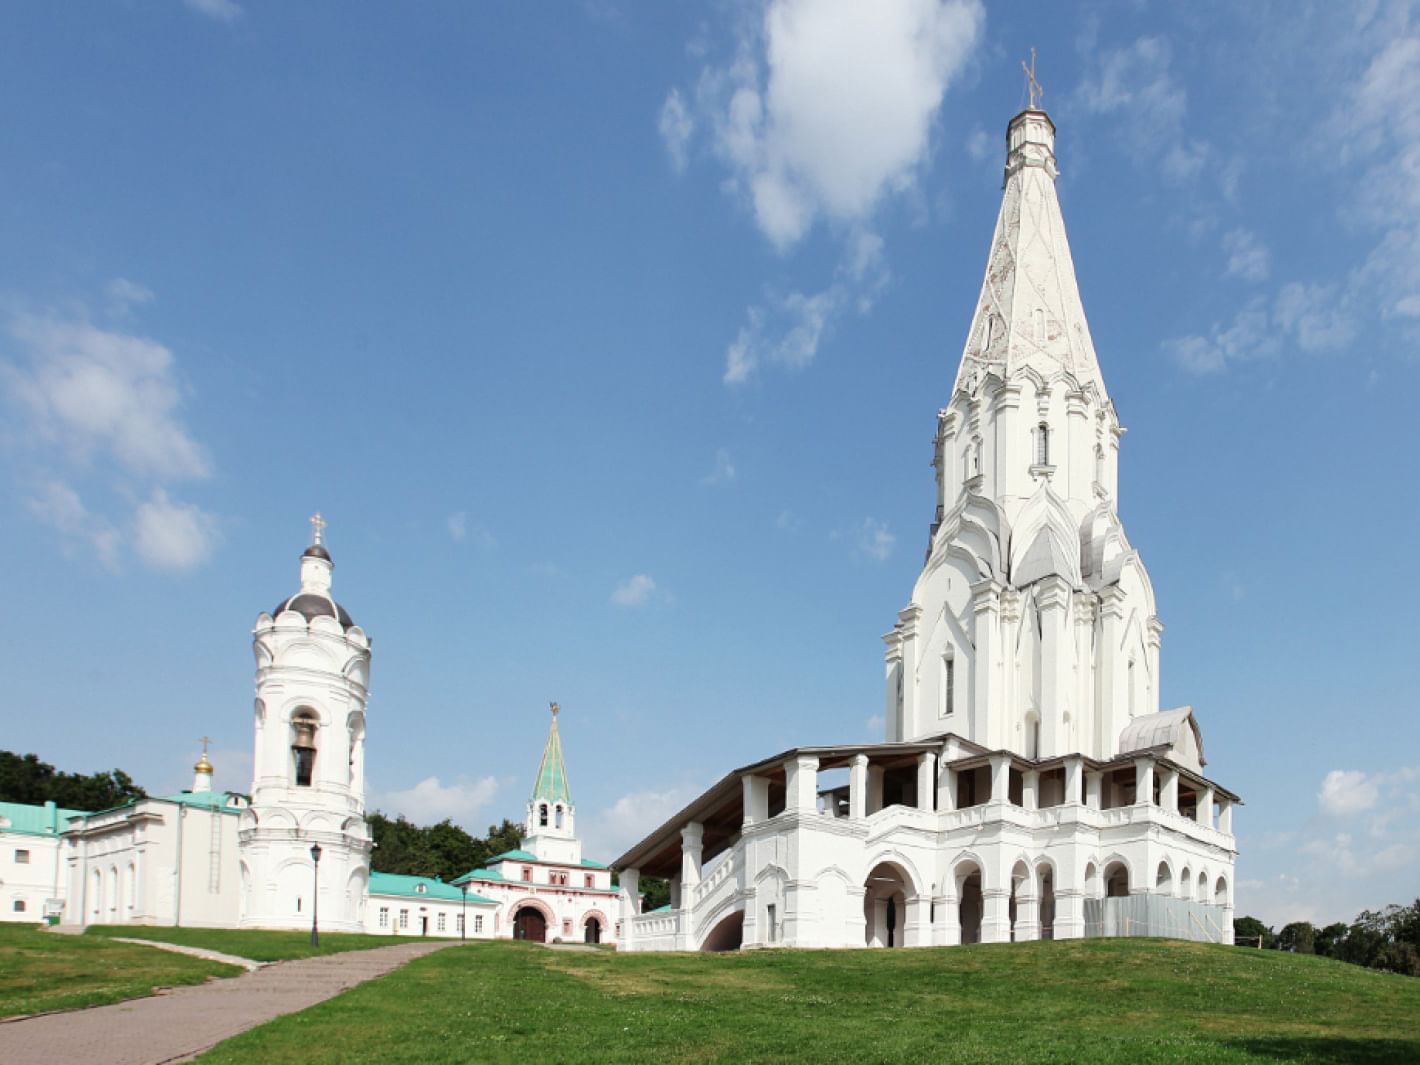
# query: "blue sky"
609,339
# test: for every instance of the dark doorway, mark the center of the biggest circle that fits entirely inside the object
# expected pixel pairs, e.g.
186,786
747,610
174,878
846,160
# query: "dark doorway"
423,926
529,923
594,930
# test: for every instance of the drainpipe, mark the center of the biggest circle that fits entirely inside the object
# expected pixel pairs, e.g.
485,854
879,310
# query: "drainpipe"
177,872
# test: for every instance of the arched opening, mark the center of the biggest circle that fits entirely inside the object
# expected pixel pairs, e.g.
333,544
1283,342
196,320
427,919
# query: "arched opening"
1220,892
529,923
1045,877
542,815
728,934
1185,883
592,931
970,904
304,724
557,817
1116,880
949,682
1163,883
98,892
132,891
1042,444
885,905
1032,735
1202,886
1092,881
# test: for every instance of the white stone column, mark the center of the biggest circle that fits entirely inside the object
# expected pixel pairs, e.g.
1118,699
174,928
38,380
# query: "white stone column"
1030,789
1205,808
756,800
1111,709
1168,790
1053,599
926,781
986,608
1074,779
917,927
858,787
875,788
677,900
947,788
1151,644
1069,913
1225,816
1144,781
909,727
1027,917
996,915
630,884
1000,778
1093,787
691,848
801,784
942,906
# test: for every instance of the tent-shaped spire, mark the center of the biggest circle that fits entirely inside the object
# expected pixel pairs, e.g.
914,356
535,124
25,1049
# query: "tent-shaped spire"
551,783
1029,314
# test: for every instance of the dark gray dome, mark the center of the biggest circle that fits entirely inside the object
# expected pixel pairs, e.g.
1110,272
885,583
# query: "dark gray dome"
310,606
316,551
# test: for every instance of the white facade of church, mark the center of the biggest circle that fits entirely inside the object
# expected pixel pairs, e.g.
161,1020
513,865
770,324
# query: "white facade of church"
298,850
1030,786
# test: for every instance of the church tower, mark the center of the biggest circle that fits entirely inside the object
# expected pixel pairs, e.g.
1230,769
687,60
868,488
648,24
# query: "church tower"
551,826
1032,627
308,775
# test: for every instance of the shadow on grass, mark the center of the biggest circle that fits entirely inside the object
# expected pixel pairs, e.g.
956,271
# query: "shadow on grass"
1327,1048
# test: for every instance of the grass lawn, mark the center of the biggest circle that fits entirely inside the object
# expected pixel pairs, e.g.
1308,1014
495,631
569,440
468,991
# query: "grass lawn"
1123,1000
251,943
42,971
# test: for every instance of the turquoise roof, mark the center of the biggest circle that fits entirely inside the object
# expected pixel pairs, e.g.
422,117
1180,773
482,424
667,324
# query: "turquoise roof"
516,856
591,864
480,874
221,800
399,884
26,820
551,783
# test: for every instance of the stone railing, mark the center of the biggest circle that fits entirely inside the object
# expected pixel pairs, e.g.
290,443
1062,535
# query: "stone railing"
707,887
654,931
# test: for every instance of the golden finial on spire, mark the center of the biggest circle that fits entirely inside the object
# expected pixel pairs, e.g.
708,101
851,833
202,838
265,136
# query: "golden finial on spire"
1032,86
555,710
318,525
203,765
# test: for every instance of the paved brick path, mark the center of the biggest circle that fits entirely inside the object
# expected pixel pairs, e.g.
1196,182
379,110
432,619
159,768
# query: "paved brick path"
181,1023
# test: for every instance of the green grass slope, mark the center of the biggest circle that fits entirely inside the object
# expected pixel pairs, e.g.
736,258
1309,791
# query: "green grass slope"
42,971
1096,1001
249,942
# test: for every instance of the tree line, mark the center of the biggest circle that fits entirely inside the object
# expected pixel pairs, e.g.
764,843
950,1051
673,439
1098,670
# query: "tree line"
445,850
1387,939
25,779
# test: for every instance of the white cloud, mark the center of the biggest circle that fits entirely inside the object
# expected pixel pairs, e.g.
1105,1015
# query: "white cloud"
980,146
1135,84
461,531
59,506
786,521
431,801
1320,317
173,536
1248,258
1347,791
221,10
787,330
1316,318
723,471
124,295
634,591
92,390
608,833
874,540
676,125
828,107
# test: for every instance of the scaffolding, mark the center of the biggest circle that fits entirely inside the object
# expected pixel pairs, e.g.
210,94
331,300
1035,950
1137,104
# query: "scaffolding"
1155,915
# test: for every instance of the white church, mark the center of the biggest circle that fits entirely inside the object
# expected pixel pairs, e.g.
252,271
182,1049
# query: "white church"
296,853
1029,785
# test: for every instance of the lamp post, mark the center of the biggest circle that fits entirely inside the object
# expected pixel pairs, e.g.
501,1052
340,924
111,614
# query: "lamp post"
463,911
315,895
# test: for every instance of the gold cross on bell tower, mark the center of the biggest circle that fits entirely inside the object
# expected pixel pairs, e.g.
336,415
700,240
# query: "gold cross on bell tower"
555,709
318,525
205,741
1032,86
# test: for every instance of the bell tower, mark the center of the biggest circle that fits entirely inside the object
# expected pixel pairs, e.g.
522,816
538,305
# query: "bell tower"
551,826
308,766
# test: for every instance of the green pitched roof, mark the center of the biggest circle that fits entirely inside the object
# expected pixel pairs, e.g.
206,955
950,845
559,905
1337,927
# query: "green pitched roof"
410,886
221,800
588,863
27,820
551,783
481,874
515,856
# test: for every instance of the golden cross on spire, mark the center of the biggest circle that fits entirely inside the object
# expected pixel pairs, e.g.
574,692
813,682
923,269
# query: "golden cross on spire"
205,741
318,525
1032,86
555,710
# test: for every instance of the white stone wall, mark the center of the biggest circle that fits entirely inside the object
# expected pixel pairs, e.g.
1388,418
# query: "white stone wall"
405,915
30,874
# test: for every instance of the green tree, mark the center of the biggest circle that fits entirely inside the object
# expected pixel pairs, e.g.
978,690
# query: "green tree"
1330,938
1246,931
657,893
26,779
1299,937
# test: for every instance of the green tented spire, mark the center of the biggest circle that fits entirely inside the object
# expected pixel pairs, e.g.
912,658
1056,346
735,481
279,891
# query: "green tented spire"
551,783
